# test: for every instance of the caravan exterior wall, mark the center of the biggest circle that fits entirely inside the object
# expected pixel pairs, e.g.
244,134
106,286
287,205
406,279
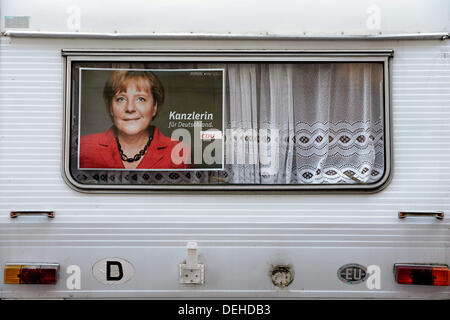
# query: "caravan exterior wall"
241,235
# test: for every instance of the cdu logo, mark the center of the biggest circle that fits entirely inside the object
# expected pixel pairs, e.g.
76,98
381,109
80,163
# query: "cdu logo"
113,271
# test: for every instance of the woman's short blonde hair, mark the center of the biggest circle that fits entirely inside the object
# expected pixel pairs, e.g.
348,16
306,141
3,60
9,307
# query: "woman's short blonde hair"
119,80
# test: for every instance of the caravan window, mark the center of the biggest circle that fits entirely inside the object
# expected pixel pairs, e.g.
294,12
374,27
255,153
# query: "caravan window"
289,123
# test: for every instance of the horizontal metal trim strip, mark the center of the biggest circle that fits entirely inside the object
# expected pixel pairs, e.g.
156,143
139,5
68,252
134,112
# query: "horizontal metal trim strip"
50,60
14,61
47,70
244,209
207,246
423,227
304,225
225,53
405,195
218,232
222,36
214,188
62,193
411,192
440,242
225,237
308,226
304,216
343,210
193,218
229,243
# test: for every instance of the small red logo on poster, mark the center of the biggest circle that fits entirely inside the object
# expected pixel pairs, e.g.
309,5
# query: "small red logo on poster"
208,135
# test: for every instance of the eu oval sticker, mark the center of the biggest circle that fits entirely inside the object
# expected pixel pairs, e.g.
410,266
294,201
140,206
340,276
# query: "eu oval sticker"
113,271
352,273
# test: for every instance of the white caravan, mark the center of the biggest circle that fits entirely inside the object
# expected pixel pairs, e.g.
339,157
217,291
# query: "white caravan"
314,159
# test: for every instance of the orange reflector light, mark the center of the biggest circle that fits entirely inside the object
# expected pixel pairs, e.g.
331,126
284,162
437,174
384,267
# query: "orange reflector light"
31,273
433,275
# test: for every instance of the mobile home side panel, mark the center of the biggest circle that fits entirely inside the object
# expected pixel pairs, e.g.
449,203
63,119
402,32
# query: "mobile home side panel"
240,235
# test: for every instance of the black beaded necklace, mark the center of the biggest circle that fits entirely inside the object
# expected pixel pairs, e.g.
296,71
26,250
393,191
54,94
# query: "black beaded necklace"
138,155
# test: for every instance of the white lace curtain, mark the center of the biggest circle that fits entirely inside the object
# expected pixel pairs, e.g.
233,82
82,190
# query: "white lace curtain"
327,118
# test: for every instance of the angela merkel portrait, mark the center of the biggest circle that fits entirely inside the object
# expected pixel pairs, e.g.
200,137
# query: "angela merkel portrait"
133,99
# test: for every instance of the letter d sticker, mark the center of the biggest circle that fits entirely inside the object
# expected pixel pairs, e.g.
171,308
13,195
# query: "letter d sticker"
113,271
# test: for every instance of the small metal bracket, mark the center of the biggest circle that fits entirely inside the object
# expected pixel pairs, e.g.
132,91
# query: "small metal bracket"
15,214
192,272
437,214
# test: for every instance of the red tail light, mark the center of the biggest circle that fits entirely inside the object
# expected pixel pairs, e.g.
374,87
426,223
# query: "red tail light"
433,275
31,273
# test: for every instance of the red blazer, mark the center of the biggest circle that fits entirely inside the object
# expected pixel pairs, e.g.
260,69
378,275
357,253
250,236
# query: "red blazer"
100,150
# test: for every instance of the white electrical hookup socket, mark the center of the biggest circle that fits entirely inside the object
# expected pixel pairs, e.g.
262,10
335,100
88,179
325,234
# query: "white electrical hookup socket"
192,272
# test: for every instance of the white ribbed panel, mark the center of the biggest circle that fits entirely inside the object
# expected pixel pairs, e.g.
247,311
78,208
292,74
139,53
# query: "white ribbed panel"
240,234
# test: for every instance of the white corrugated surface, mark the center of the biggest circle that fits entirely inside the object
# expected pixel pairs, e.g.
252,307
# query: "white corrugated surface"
257,17
239,234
